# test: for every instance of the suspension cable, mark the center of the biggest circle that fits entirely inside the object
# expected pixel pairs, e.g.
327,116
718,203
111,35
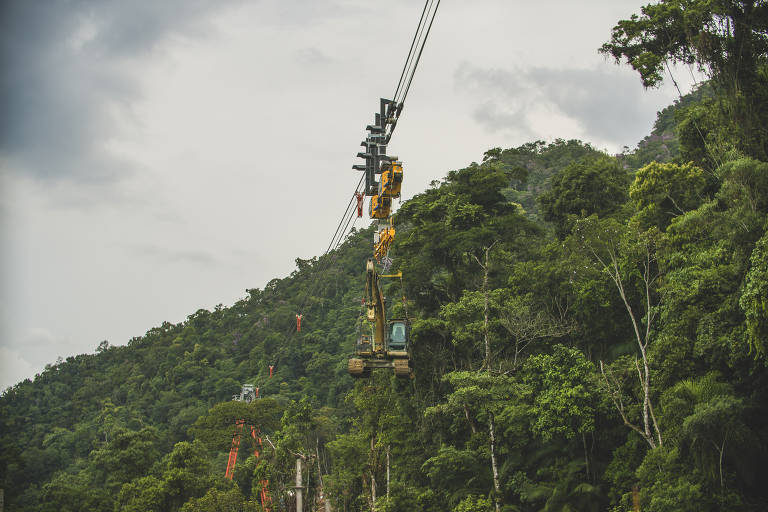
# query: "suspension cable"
418,58
410,50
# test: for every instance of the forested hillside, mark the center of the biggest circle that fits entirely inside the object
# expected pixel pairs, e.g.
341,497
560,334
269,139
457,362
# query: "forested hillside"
589,333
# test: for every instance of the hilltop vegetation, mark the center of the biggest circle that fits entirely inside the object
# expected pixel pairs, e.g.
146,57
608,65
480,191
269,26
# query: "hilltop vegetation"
587,329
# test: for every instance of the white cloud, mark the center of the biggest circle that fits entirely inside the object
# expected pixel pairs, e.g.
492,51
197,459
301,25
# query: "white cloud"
14,368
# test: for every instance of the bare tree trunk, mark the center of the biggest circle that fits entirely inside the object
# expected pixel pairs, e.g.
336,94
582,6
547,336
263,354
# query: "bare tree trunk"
485,313
611,265
471,423
494,467
373,481
491,426
323,497
365,484
721,450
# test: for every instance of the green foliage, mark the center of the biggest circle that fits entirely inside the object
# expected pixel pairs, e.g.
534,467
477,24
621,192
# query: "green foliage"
666,486
663,191
455,471
127,455
754,299
216,427
565,392
222,501
693,31
592,185
474,504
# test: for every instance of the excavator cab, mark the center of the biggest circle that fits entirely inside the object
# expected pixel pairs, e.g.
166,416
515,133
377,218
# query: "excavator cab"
398,336
398,348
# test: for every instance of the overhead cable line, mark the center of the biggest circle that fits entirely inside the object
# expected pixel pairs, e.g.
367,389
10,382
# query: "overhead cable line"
344,215
420,52
411,64
336,241
410,50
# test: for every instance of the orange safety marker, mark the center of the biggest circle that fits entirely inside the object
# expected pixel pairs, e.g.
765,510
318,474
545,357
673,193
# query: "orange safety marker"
271,369
298,322
359,198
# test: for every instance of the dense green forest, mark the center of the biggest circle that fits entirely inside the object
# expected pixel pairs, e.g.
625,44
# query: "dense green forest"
589,333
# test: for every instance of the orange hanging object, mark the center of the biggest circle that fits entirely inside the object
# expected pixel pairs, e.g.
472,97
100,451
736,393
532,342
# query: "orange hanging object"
359,198
271,369
234,449
298,322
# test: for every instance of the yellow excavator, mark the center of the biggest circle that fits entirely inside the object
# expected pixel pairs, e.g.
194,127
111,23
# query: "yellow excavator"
387,345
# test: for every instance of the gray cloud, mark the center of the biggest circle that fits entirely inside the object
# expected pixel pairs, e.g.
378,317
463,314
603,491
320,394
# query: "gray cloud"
496,118
62,78
171,256
608,105
312,57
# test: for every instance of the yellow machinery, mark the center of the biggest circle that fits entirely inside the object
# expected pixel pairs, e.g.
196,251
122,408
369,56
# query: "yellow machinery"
382,240
391,180
383,344
380,207
387,344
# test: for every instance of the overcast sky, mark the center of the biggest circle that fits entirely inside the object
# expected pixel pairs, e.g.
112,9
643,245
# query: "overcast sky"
158,157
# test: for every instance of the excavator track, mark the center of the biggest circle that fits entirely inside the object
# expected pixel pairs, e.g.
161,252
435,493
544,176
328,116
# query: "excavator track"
358,368
402,368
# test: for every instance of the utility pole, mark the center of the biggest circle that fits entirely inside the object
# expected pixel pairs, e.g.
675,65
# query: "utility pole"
299,504
387,471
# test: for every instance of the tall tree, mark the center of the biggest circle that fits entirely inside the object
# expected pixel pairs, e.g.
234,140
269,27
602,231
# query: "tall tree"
628,258
726,39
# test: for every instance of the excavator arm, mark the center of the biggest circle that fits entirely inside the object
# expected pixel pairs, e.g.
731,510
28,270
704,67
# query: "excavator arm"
376,312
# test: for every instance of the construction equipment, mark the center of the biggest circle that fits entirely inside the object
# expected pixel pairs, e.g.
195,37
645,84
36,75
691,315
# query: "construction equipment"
248,393
386,346
385,343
